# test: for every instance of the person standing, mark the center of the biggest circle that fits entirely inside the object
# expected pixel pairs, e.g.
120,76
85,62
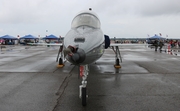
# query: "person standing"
156,44
160,45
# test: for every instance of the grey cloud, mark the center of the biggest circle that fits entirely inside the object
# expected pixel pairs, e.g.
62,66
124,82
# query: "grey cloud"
118,17
138,7
158,7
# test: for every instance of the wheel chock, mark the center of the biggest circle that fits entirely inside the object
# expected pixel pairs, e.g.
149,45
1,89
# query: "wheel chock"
117,66
60,65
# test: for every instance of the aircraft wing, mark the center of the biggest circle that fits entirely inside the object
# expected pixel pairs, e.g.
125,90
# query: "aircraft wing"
52,44
116,44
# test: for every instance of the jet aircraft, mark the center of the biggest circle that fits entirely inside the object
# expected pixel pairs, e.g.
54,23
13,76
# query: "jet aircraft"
85,43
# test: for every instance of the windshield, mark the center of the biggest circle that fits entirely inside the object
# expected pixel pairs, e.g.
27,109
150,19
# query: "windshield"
85,19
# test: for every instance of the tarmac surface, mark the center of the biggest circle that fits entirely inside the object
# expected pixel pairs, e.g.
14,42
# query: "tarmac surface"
31,81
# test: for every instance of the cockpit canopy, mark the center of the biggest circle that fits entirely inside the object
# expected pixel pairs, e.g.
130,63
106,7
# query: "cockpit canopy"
87,19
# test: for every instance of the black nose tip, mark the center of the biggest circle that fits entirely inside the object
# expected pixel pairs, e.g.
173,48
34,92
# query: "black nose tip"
75,57
79,56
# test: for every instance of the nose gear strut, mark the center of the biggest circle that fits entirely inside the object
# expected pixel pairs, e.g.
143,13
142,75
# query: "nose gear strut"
83,71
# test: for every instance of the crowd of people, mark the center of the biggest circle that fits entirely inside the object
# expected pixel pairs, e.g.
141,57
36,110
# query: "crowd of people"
174,43
160,43
7,42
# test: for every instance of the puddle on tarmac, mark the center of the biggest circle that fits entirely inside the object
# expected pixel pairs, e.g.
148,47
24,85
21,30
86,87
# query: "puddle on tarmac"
135,57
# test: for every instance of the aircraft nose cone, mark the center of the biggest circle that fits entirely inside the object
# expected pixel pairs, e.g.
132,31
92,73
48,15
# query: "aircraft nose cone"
79,56
75,57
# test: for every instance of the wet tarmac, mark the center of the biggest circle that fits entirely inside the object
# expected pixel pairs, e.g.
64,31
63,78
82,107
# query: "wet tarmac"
147,81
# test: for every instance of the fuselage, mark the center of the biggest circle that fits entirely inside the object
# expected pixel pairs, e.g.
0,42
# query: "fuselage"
87,37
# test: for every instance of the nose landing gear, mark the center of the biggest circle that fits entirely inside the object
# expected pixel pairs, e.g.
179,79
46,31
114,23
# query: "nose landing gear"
82,88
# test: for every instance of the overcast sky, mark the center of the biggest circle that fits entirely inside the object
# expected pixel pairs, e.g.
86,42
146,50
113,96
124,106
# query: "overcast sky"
119,18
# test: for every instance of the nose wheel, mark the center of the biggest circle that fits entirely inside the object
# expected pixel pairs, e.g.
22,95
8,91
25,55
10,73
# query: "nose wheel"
83,97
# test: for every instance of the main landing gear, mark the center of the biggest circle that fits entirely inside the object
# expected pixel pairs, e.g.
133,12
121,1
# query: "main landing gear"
118,57
61,63
83,71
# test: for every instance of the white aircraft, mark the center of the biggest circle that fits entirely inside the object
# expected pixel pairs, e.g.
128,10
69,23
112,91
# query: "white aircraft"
84,44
